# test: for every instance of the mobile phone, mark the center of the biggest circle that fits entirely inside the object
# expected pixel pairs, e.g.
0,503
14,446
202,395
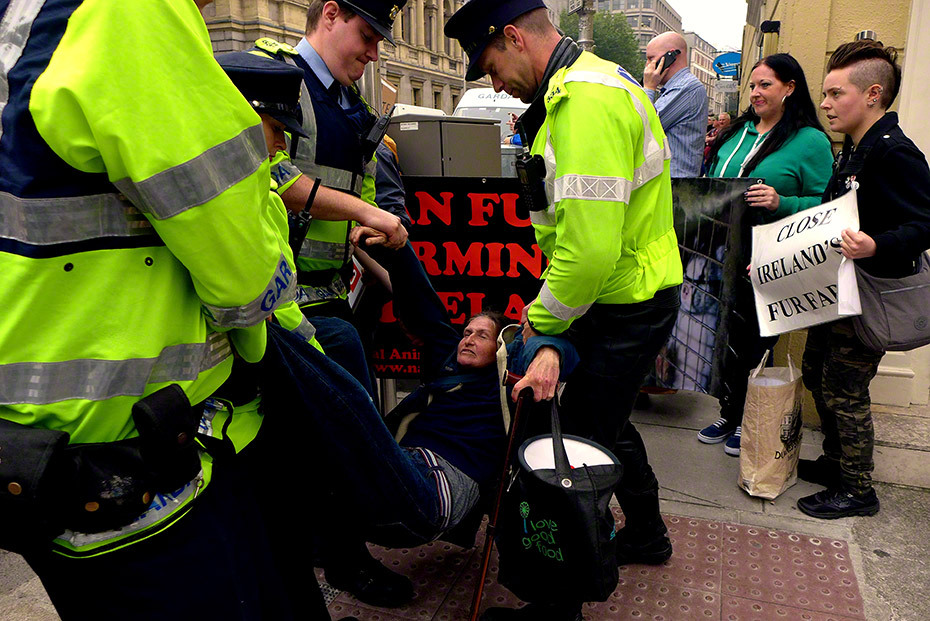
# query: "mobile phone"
669,57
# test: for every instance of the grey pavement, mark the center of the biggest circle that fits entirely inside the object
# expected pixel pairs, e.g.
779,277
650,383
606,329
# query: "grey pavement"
890,552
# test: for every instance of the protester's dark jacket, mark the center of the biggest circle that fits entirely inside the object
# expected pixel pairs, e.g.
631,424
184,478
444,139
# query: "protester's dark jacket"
893,194
460,411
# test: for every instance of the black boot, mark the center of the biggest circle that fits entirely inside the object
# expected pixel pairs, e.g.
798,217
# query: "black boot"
838,502
369,581
821,471
635,549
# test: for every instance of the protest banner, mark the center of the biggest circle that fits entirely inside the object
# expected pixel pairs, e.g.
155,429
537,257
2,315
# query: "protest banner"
476,243
797,266
713,226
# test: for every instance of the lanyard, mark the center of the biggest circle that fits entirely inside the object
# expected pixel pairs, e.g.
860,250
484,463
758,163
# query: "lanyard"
755,149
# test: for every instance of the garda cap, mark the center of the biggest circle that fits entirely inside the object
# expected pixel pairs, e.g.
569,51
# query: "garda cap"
476,23
272,87
379,14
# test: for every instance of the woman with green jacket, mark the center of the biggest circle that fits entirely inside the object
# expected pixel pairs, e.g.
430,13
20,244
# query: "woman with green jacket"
779,141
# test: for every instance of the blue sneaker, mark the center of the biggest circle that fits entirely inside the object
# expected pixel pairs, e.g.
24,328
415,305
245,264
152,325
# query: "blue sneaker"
732,445
717,432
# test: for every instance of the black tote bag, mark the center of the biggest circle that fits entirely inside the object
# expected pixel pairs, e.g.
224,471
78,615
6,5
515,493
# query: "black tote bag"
556,532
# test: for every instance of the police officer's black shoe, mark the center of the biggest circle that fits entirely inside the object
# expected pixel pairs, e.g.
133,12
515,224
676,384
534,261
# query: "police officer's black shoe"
821,471
632,550
837,502
534,612
372,583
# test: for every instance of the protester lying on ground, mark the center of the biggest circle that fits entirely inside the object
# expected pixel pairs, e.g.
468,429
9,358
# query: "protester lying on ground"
893,184
416,491
778,139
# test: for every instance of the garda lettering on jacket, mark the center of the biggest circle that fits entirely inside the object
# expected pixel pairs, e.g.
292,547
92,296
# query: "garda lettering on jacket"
279,286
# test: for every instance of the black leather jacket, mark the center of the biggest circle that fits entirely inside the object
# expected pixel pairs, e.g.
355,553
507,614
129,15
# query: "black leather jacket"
893,195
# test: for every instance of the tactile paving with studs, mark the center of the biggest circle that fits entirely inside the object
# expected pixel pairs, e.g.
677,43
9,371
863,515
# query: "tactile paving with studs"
718,570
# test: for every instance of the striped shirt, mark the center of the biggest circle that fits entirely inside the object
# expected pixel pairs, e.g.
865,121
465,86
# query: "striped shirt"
682,108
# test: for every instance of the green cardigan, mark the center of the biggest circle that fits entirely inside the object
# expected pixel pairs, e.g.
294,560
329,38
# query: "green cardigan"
798,171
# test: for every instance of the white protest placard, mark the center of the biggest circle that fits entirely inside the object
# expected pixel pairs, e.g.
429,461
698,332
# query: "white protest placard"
799,275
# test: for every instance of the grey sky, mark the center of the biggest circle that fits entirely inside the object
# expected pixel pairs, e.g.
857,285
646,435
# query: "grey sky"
719,22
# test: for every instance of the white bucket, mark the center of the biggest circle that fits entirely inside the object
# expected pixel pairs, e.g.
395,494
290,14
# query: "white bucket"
536,453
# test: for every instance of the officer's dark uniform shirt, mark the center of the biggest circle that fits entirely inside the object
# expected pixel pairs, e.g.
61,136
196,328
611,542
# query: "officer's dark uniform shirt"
339,125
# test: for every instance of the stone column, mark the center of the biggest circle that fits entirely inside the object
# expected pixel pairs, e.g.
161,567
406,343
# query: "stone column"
440,22
420,21
405,90
447,98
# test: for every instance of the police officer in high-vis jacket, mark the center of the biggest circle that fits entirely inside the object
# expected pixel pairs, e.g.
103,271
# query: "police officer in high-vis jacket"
612,285
341,38
136,259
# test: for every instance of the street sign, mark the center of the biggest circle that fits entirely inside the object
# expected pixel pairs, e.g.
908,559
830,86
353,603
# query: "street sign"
727,64
726,86
574,6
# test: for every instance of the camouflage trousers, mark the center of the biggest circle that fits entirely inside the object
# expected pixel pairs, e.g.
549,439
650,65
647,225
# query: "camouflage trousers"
837,369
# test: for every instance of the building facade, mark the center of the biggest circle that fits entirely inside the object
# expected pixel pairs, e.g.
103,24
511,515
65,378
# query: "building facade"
647,18
424,68
701,62
810,30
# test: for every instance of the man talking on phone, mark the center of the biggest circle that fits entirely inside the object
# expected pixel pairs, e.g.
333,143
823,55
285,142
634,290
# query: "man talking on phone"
679,98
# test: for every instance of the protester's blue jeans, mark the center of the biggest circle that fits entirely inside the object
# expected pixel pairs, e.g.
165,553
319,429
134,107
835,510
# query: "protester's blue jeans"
342,344
388,490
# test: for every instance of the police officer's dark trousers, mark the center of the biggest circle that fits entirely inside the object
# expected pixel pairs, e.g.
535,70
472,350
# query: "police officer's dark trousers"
227,559
618,344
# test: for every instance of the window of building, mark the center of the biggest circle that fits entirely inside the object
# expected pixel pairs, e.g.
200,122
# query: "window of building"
406,25
647,4
417,96
437,100
647,21
632,4
428,31
633,20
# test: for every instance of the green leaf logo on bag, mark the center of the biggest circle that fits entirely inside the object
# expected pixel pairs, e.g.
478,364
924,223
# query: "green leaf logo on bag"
525,513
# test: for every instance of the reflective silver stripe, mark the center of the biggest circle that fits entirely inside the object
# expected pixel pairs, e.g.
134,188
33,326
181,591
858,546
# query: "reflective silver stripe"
305,329
201,179
335,178
282,288
14,33
559,310
331,251
593,188
70,219
161,508
41,383
305,158
654,155
308,295
542,218
547,217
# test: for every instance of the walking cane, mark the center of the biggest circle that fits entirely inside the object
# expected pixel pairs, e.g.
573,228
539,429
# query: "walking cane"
526,393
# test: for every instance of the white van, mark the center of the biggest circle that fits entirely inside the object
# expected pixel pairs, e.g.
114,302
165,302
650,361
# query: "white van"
485,103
